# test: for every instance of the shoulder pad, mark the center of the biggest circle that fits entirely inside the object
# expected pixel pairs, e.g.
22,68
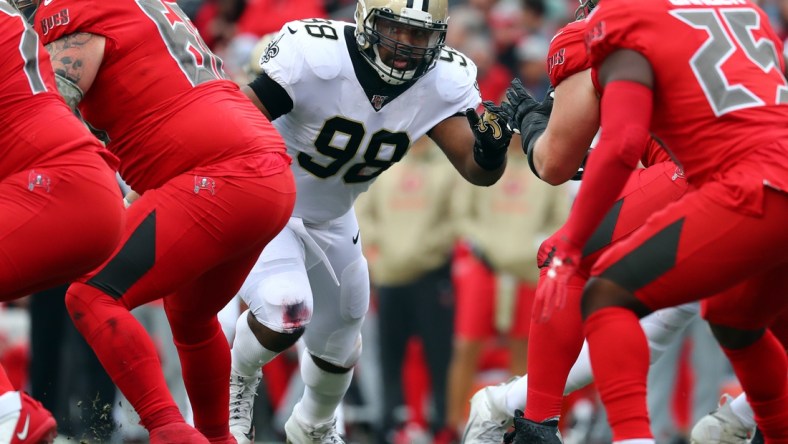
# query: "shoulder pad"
455,75
322,43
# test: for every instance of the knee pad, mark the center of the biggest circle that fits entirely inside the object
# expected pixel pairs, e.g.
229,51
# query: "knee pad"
334,335
280,298
349,359
338,349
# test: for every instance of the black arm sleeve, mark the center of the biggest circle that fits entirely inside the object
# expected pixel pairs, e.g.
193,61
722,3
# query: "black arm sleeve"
531,128
271,95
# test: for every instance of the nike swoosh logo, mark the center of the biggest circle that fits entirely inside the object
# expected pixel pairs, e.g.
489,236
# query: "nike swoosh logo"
47,2
355,238
292,31
23,434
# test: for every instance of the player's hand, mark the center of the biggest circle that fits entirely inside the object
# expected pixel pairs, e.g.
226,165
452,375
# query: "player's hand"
492,135
562,259
528,116
523,109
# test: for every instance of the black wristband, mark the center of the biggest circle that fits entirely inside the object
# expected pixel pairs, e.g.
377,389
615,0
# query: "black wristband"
529,154
530,130
271,95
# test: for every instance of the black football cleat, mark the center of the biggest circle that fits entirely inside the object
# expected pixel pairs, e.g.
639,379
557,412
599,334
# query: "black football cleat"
529,432
757,438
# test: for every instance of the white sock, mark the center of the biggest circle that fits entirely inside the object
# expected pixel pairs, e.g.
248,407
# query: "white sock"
248,355
663,327
635,441
323,391
515,398
580,374
741,408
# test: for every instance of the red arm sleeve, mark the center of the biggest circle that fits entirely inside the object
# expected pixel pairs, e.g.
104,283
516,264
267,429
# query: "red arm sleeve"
625,117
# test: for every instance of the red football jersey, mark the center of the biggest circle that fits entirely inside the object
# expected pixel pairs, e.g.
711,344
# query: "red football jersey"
28,95
720,95
568,56
160,93
567,53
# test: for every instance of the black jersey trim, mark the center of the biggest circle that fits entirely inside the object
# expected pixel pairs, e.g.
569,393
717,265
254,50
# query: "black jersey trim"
271,95
135,258
650,260
603,235
378,92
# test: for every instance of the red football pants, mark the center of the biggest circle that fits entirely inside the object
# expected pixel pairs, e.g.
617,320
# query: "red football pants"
693,249
58,220
192,242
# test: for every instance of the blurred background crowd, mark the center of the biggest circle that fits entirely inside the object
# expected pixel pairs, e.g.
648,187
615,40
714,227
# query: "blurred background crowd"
453,270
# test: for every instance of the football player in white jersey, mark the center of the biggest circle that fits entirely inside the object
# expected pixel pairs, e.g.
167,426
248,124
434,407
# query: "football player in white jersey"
349,99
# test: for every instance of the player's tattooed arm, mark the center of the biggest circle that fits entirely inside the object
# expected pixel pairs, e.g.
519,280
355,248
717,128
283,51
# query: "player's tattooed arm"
76,59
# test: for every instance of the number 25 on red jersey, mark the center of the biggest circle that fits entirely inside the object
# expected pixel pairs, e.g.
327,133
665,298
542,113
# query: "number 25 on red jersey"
735,32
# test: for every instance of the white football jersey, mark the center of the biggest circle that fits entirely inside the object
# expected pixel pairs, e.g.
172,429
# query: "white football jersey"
341,135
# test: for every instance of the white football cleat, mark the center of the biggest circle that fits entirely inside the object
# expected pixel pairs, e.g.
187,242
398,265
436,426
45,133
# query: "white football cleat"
243,389
299,432
720,427
486,422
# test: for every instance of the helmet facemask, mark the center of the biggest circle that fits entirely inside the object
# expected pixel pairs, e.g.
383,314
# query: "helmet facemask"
26,7
585,8
401,47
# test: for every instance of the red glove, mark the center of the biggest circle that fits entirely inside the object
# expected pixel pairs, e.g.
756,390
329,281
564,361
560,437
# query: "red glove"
551,292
